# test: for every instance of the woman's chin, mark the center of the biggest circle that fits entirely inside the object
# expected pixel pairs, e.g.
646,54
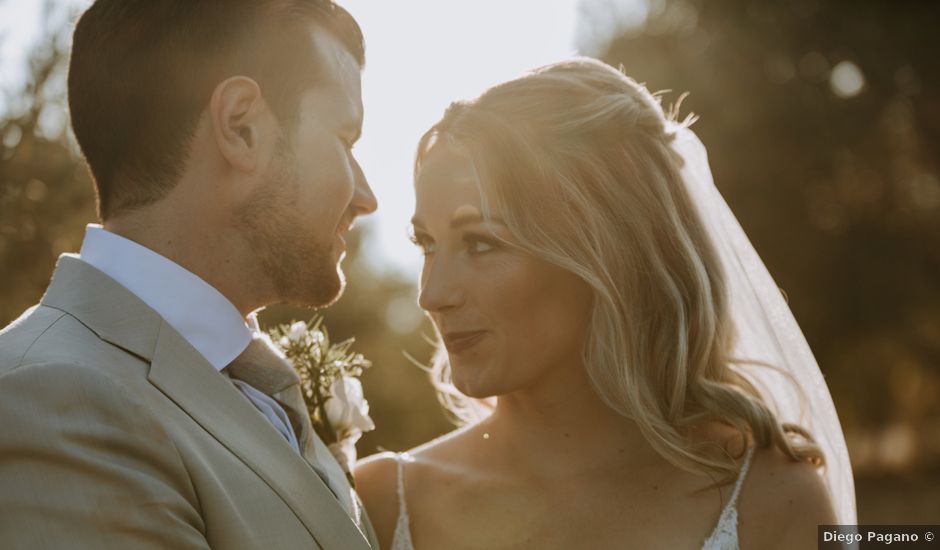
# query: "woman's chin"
482,394
474,387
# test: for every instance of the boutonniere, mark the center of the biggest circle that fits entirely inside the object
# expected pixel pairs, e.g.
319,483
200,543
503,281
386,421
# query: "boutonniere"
329,379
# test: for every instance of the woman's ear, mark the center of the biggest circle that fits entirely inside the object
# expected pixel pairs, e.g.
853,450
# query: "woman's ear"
238,114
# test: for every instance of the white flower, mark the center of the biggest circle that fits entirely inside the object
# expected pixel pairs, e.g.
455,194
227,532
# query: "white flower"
347,409
345,453
297,331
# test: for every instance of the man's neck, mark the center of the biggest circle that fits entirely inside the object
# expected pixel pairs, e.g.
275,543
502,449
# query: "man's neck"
211,252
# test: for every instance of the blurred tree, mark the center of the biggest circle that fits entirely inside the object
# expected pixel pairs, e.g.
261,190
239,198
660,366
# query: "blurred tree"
46,197
822,121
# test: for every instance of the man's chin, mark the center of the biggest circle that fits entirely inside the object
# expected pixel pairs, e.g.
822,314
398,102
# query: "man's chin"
336,295
321,291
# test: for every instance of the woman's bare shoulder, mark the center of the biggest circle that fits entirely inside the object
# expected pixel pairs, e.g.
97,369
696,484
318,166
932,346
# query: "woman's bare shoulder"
782,502
376,473
377,476
448,447
376,482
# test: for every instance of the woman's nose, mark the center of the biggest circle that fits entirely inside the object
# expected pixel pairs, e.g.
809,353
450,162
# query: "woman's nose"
441,286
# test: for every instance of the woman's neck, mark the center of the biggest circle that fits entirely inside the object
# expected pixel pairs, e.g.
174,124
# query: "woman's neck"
562,428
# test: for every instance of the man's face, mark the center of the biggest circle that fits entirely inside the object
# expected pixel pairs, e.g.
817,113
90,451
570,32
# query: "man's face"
314,188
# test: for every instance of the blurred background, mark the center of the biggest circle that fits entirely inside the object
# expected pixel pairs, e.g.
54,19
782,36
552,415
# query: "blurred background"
822,120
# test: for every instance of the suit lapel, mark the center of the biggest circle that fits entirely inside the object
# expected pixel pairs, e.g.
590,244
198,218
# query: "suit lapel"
183,375
108,309
188,379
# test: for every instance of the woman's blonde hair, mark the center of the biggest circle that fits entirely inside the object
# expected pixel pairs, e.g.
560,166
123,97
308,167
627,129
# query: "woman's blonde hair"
575,158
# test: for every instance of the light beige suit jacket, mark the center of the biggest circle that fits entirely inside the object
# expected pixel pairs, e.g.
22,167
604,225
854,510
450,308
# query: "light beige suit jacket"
116,433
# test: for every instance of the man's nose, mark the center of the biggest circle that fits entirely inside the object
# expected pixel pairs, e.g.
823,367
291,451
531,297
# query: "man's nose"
364,201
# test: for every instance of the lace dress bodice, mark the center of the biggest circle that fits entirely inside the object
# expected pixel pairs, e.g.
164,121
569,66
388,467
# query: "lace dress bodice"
401,540
724,536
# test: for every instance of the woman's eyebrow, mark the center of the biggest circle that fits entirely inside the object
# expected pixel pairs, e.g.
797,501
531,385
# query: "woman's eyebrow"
467,214
464,215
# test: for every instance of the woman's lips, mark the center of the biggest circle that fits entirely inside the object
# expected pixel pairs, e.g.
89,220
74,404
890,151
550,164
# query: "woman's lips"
457,342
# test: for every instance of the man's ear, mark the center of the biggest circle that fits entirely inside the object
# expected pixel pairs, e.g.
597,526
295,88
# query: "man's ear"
239,116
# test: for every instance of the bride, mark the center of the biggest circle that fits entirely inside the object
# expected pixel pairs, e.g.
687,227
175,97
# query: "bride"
627,374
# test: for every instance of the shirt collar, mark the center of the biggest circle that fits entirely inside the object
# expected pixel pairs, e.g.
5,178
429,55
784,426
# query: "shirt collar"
200,313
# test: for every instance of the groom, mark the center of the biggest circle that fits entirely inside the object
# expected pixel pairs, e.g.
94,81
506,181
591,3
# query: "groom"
138,407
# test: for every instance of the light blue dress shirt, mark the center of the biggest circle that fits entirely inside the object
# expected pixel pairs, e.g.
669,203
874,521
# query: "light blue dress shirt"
200,313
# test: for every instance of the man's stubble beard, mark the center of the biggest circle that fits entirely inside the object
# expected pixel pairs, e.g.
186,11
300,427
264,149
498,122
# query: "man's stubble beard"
301,268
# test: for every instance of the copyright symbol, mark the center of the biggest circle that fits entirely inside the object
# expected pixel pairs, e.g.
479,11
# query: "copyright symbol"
928,536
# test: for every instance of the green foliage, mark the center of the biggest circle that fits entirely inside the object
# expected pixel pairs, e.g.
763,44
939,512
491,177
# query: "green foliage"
320,363
46,196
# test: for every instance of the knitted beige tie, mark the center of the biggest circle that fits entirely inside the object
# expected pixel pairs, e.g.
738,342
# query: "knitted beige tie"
264,367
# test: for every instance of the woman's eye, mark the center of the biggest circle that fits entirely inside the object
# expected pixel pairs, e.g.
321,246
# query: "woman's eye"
477,244
426,246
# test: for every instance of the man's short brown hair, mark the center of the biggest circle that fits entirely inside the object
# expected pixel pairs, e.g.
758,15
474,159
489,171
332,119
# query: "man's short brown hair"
143,71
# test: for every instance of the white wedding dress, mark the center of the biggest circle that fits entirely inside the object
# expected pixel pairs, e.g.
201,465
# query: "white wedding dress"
723,537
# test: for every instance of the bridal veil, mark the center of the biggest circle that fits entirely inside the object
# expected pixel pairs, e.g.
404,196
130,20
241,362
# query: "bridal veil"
775,356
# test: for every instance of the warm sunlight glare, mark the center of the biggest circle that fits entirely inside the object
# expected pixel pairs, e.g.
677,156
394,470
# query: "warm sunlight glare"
421,55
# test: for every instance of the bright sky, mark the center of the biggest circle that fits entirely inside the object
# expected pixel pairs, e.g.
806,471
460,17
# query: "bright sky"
421,55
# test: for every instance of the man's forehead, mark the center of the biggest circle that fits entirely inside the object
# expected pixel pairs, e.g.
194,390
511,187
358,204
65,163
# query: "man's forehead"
338,62
338,89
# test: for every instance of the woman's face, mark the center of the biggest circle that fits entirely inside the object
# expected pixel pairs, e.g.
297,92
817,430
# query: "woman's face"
508,319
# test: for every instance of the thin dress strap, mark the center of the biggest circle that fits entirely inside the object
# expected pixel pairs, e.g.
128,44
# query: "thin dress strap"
401,540
725,535
741,476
